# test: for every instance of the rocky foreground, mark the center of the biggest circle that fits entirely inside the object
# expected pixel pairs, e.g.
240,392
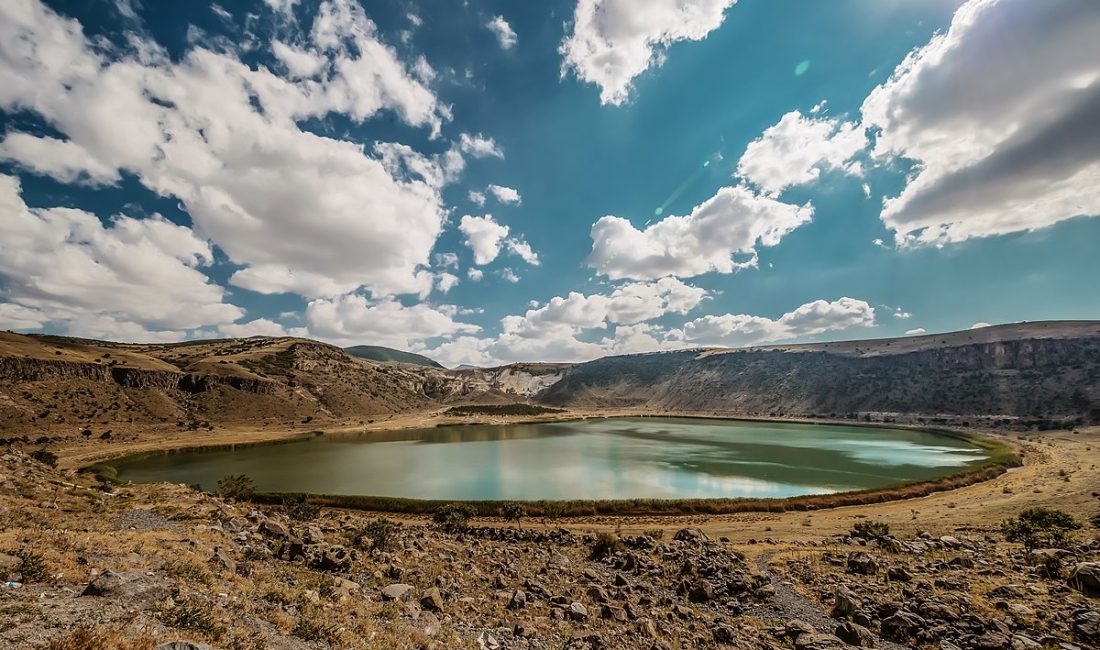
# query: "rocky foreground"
166,567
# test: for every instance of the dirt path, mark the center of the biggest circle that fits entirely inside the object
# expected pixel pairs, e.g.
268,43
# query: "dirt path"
788,604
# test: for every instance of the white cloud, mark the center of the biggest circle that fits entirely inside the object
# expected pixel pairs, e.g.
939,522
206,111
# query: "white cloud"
484,237
18,317
976,326
257,327
796,149
353,319
444,282
503,31
475,275
300,62
999,113
446,260
523,250
140,274
282,6
898,313
732,222
810,319
299,212
477,198
508,275
614,41
915,331
479,146
505,195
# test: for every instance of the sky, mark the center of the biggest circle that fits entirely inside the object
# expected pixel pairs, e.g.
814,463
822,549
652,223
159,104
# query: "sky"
497,180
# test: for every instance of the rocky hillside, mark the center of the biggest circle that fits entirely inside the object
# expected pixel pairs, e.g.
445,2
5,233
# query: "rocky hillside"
1030,371
49,382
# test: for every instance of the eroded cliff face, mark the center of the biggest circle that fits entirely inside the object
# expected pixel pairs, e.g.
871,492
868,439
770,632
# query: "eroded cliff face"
1049,378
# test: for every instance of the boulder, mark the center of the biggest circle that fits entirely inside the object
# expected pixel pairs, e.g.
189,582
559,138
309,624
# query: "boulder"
182,645
1086,578
518,600
861,563
855,635
847,603
818,642
701,591
397,591
691,535
577,611
901,625
432,600
137,586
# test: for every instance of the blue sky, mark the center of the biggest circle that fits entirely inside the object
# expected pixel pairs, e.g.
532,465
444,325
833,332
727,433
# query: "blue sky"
667,174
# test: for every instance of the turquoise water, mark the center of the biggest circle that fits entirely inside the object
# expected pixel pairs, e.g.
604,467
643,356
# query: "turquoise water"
618,458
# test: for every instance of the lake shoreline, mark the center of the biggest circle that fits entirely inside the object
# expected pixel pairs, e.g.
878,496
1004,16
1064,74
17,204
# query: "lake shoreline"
1001,456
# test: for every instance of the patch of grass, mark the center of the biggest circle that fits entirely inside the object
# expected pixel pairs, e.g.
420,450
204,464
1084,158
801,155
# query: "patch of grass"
378,535
310,628
91,638
501,409
194,617
188,571
1041,528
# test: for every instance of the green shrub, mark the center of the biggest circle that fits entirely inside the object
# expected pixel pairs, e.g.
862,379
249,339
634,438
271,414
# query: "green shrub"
378,535
238,487
606,545
1040,528
453,516
870,530
298,508
34,566
45,457
197,618
513,512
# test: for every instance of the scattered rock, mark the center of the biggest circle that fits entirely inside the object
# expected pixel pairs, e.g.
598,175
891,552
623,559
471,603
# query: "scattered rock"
397,591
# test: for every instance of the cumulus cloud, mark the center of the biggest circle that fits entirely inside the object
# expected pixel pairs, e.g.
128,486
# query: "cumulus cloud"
506,195
475,275
486,238
257,327
977,326
141,276
298,211
503,31
483,236
810,319
733,222
796,150
614,41
479,146
444,282
999,115
477,198
353,319
915,331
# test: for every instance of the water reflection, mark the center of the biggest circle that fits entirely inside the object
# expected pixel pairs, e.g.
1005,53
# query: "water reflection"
589,459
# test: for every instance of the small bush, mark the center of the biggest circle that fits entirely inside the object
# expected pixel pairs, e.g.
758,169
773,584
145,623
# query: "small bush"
655,533
34,566
1051,568
553,510
870,530
1041,528
45,457
314,629
299,509
513,512
237,487
378,535
606,545
453,516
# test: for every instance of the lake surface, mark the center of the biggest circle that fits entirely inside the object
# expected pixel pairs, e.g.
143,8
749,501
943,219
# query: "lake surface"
618,458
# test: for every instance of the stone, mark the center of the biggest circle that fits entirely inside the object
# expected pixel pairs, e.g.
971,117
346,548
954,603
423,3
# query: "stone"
613,613
796,627
518,600
701,591
432,600
992,641
861,563
274,528
1086,626
818,642
899,574
397,591
855,635
1086,578
137,586
691,535
846,603
901,625
182,645
577,611
724,634
523,630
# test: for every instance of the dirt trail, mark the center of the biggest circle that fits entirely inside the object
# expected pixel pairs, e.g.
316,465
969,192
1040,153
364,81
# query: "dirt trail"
788,605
